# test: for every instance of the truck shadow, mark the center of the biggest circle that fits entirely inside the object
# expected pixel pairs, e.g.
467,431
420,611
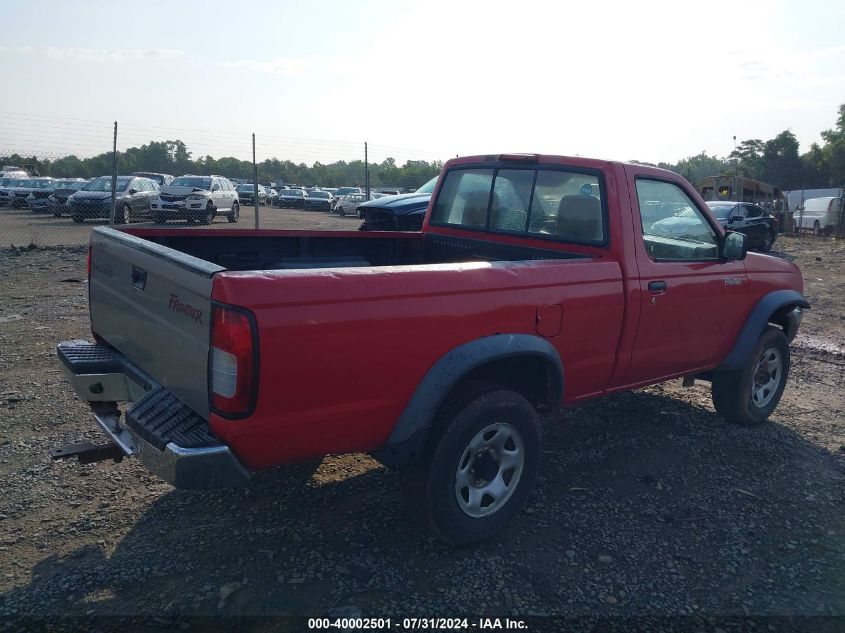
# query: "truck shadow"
641,495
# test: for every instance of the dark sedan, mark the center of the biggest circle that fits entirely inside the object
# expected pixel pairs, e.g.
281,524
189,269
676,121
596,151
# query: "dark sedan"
744,217
64,189
26,191
404,212
319,199
7,188
246,193
132,199
291,198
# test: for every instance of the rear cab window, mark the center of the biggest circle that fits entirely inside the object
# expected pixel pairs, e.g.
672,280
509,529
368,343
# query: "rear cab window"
548,202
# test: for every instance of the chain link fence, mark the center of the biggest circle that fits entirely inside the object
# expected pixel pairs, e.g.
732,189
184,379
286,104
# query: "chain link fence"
63,176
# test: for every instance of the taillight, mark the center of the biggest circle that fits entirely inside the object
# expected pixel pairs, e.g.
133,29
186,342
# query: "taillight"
233,370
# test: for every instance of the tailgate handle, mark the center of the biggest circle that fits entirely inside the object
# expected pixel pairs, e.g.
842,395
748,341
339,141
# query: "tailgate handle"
139,278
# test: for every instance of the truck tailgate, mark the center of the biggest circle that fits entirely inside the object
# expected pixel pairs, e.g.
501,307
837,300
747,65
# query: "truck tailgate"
153,304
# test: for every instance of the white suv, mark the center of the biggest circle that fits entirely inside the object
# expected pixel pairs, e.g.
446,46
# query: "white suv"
196,199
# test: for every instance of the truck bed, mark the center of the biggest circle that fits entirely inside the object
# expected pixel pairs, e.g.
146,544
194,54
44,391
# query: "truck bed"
278,250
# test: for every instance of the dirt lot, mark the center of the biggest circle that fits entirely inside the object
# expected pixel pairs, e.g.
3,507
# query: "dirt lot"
22,227
648,503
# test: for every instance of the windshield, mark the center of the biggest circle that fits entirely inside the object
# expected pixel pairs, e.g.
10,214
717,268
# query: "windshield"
295,193
721,211
43,184
103,183
320,194
195,182
247,188
429,186
342,191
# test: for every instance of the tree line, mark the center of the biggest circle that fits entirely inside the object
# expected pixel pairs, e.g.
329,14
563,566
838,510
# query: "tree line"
173,157
776,161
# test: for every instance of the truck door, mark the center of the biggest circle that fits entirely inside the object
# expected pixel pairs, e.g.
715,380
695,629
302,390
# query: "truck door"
691,300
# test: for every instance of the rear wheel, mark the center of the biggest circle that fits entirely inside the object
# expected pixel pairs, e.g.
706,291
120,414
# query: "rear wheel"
749,396
478,467
235,213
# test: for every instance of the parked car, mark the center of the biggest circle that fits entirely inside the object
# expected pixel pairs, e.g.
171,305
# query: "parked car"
160,179
819,214
196,199
38,199
133,195
246,194
404,212
762,228
57,201
347,205
319,199
20,197
345,191
484,320
291,199
7,187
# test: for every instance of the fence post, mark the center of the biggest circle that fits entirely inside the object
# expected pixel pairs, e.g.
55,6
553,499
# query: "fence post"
255,203
366,172
113,176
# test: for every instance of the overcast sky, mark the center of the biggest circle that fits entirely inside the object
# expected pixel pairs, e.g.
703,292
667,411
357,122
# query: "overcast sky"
630,80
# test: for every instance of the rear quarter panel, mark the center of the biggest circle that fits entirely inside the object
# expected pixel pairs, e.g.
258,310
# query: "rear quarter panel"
342,350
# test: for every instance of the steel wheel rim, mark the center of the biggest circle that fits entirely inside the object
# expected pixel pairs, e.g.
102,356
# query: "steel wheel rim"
489,470
767,377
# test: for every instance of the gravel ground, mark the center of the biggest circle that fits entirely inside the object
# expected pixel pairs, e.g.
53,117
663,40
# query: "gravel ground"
648,504
22,227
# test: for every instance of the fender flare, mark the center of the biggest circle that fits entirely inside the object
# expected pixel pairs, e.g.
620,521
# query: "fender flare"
756,323
411,429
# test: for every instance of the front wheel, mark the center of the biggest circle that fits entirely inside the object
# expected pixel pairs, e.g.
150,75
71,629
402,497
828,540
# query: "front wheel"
768,241
208,216
235,213
478,467
123,216
749,396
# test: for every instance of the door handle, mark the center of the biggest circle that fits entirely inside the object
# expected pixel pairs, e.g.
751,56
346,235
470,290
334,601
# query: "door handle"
656,286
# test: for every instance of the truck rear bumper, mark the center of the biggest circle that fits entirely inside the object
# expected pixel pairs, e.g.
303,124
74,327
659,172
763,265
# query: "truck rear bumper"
169,438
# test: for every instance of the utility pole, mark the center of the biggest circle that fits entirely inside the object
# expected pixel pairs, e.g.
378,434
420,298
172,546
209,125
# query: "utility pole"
255,182
736,171
113,176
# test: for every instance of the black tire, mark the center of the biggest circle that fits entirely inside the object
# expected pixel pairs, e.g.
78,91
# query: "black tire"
431,485
207,217
740,396
817,229
235,213
78,219
767,241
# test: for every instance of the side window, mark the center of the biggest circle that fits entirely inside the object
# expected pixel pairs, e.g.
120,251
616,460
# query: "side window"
215,183
464,197
753,211
673,227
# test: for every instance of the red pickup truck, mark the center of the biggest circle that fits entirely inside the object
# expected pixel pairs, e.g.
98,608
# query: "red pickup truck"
536,282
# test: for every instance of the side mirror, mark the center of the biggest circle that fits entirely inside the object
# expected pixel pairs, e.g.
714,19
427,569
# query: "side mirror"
216,188
132,191
735,246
